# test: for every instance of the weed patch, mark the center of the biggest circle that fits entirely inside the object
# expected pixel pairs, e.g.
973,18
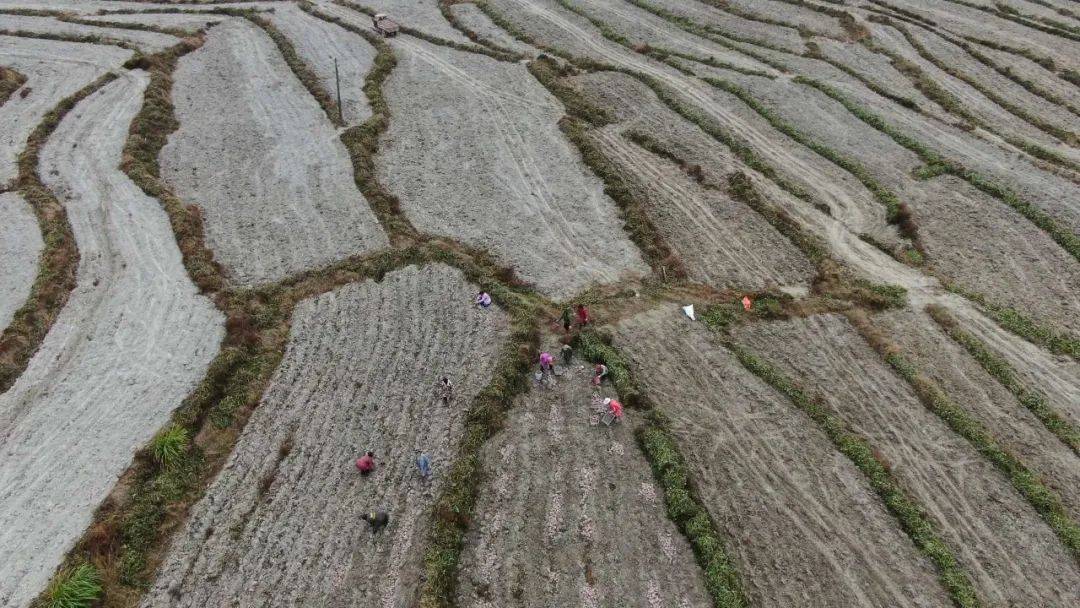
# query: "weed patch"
10,81
78,587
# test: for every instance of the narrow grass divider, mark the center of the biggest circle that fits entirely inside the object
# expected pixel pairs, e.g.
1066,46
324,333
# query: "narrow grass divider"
908,513
59,257
1000,369
77,587
1049,26
683,502
1041,498
10,81
85,38
451,18
1062,236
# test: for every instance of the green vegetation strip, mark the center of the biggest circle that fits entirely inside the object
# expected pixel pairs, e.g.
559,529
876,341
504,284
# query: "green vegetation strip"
1022,325
1000,369
1062,236
1041,498
912,518
684,505
60,256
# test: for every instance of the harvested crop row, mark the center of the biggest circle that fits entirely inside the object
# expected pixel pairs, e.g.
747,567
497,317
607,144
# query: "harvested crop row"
259,157
588,530
1009,552
489,166
149,42
132,341
771,479
281,523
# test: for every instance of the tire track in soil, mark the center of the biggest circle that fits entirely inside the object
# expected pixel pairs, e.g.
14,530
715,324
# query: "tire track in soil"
570,515
771,479
132,341
1012,556
281,526
556,227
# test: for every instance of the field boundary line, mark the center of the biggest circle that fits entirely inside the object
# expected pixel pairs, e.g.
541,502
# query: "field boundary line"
59,258
1042,499
1004,373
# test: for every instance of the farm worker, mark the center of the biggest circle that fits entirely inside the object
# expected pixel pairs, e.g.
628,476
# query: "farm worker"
746,303
377,520
598,373
547,363
483,299
582,315
446,390
566,318
366,463
424,464
567,354
615,407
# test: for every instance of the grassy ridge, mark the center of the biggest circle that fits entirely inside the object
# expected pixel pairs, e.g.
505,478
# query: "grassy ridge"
59,257
10,81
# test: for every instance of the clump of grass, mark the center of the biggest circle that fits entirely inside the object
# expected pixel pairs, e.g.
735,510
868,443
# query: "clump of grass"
169,445
1000,369
10,81
78,587
912,518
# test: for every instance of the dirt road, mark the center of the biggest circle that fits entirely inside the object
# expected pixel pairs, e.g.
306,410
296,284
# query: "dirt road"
280,526
131,343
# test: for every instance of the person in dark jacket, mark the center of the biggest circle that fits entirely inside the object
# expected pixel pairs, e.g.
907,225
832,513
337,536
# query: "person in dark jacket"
377,520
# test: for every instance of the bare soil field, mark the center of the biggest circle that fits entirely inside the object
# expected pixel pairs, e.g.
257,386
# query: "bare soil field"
489,166
320,43
257,154
280,525
54,70
173,20
469,15
421,15
583,531
1011,554
148,42
771,479
20,244
131,343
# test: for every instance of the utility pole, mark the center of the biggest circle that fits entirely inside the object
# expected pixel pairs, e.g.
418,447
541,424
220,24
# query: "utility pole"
337,79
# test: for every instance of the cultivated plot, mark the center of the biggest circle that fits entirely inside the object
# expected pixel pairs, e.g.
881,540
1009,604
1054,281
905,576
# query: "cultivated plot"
771,479
474,151
20,245
148,42
132,341
569,514
423,16
260,158
281,525
1010,553
470,16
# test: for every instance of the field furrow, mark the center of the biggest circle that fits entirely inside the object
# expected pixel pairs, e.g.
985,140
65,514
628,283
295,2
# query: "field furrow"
771,479
131,343
281,524
260,158
1010,553
20,245
474,151
570,514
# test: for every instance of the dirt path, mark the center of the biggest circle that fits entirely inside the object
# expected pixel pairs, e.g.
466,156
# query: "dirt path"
20,245
570,514
131,343
319,43
148,42
54,70
258,155
280,526
474,151
804,527
965,381
1011,555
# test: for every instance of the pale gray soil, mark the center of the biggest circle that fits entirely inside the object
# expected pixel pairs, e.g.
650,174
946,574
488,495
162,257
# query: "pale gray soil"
422,15
54,70
148,42
93,6
570,515
20,245
474,151
260,158
319,43
473,18
280,526
968,384
175,20
1029,70
801,522
132,341
720,240
790,13
1012,556
726,23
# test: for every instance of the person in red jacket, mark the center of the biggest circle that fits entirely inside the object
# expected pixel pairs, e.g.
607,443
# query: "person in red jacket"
366,463
582,315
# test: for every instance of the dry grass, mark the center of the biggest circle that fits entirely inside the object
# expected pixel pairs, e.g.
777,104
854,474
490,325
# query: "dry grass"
10,81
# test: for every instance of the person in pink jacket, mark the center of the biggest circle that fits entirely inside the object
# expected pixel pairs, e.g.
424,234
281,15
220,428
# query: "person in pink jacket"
547,363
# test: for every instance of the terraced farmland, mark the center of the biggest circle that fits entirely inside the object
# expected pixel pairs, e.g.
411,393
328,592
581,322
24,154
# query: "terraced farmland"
242,241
